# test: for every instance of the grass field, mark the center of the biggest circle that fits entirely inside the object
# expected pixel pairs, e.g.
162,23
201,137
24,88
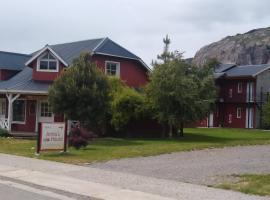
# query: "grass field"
112,148
250,184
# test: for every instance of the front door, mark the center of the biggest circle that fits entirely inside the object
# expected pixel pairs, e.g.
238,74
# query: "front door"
45,112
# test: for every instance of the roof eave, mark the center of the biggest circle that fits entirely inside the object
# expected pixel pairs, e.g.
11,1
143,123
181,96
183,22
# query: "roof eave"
137,59
24,92
47,47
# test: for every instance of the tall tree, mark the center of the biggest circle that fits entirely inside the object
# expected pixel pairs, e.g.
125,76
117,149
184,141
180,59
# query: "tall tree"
81,93
180,93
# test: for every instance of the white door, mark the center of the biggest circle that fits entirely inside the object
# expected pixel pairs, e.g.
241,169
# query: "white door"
45,112
211,120
249,117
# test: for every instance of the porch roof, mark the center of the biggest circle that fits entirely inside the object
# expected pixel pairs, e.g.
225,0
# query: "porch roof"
22,83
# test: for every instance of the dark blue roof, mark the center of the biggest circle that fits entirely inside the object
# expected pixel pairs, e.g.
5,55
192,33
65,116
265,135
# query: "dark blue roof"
69,51
23,82
111,48
13,61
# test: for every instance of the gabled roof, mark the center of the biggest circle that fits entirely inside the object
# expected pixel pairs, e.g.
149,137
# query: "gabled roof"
69,51
243,71
104,46
223,67
23,83
13,61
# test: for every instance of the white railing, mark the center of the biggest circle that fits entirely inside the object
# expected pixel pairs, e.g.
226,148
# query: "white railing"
4,123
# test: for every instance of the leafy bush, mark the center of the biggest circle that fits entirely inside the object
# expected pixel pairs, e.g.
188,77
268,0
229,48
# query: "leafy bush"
4,133
127,105
79,138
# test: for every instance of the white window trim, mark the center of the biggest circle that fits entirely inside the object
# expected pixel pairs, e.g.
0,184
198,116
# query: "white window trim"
240,87
238,112
47,70
44,101
20,122
117,67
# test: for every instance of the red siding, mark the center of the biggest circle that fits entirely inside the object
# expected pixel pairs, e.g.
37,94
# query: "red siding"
45,76
131,71
30,121
7,74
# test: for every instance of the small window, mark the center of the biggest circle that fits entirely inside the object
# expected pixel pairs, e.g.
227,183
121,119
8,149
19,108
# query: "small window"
45,109
47,62
230,93
2,107
112,68
239,112
239,87
19,107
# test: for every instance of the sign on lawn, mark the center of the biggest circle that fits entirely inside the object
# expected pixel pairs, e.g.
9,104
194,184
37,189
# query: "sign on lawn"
52,136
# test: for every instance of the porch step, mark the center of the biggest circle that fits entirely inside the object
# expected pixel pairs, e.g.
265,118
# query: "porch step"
24,135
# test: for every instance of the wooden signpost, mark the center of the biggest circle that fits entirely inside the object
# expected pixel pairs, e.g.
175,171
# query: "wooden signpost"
52,137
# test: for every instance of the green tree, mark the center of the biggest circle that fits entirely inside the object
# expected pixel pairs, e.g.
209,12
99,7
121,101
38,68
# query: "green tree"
127,104
266,114
81,93
180,93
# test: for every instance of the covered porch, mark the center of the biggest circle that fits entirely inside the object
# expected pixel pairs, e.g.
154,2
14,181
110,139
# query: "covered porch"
24,104
21,113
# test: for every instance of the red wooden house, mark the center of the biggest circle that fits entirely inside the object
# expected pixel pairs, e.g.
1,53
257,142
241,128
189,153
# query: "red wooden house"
25,79
242,92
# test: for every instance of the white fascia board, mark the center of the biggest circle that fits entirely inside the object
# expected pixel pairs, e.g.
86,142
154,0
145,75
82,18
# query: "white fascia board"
24,92
42,51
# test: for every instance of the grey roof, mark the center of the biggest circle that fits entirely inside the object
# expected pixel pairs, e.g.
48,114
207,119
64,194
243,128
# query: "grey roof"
13,61
69,51
223,67
246,70
23,82
242,71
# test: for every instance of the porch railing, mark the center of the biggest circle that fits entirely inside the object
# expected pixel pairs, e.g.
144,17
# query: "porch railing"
4,123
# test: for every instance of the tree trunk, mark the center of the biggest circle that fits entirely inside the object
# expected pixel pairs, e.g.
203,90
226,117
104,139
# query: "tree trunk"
164,131
181,129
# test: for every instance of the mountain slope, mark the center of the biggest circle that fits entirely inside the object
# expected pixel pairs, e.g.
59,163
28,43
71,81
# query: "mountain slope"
252,47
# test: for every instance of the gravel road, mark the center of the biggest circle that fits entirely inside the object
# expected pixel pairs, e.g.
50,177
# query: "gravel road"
207,167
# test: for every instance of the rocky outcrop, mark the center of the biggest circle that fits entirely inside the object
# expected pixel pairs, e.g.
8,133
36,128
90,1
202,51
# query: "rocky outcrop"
252,47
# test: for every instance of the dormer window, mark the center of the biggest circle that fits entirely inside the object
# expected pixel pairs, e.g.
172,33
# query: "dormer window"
47,63
112,68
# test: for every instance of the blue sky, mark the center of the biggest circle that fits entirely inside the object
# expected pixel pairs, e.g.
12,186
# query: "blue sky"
27,25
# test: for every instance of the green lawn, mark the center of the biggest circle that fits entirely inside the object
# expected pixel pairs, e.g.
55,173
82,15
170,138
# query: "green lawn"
250,184
112,148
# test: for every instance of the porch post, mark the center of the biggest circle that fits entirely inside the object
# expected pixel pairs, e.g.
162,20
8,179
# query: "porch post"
11,99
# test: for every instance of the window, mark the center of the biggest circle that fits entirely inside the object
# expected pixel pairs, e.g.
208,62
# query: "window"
238,112
230,93
112,68
2,107
19,107
45,109
47,62
239,87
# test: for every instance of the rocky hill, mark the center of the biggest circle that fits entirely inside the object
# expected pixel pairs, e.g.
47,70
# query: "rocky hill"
252,47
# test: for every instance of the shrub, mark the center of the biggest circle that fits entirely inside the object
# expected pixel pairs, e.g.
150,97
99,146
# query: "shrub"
4,133
79,138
